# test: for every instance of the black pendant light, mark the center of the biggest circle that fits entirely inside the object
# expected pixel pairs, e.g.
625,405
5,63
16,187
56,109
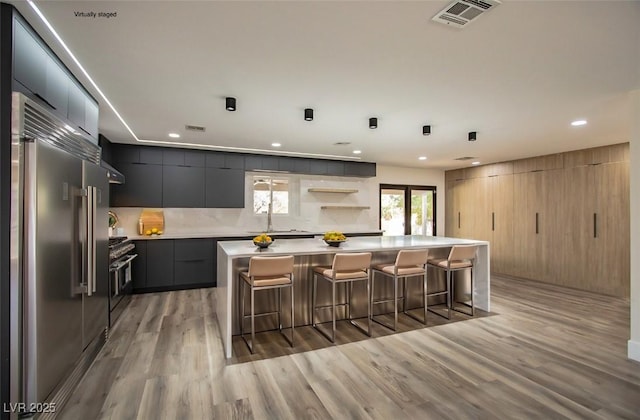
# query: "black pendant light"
230,103
472,136
426,130
308,114
373,123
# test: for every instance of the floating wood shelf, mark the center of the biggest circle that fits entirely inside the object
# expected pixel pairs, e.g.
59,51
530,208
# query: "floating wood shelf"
333,190
345,207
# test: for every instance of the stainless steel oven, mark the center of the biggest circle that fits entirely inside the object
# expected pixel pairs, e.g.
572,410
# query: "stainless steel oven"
121,256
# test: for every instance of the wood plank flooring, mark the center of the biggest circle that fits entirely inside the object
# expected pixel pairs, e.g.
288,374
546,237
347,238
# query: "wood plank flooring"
544,352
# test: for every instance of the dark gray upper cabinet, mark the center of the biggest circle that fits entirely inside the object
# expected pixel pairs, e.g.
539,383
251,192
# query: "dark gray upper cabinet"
40,74
57,88
151,155
253,162
173,157
225,160
270,163
76,105
124,153
224,188
335,168
143,186
29,60
362,169
318,167
183,186
194,158
287,164
302,166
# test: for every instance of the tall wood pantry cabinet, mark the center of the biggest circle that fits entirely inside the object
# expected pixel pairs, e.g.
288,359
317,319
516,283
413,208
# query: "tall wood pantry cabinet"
561,218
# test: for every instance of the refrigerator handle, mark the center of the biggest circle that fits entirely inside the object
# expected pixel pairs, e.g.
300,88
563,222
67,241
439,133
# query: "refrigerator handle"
90,247
94,210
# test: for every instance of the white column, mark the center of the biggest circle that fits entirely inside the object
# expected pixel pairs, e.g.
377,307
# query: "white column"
633,349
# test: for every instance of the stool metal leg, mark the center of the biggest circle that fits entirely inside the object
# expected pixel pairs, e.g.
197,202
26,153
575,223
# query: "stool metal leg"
292,319
395,303
242,308
253,319
369,306
313,300
280,310
424,295
449,293
333,311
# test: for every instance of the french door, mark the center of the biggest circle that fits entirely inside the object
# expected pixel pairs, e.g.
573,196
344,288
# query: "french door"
407,210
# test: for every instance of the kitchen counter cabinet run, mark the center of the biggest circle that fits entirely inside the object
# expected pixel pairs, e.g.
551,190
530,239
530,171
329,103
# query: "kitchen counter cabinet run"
233,256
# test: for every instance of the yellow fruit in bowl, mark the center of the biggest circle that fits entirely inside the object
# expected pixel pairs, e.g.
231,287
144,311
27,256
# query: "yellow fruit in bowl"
159,232
263,237
148,232
154,230
334,236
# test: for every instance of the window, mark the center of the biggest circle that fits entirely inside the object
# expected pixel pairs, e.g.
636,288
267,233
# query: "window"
402,203
270,190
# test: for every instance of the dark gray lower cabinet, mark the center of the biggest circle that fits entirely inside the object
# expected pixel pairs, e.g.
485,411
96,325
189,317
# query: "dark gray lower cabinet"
194,262
224,188
173,264
139,266
160,263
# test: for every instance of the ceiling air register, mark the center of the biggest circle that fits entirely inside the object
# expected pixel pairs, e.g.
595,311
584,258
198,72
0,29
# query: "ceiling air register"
462,12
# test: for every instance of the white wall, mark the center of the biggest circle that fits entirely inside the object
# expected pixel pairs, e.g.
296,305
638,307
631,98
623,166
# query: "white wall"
305,207
634,175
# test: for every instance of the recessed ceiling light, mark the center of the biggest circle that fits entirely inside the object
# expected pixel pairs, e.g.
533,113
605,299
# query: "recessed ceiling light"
174,135
475,163
357,152
422,158
577,123
276,144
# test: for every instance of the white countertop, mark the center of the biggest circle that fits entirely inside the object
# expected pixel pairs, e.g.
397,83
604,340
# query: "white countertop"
237,234
237,249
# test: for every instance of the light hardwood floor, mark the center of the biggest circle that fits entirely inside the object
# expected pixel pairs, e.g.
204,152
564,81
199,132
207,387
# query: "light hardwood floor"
545,352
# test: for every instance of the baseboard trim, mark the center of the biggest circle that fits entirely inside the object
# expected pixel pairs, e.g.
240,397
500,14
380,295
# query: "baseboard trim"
633,350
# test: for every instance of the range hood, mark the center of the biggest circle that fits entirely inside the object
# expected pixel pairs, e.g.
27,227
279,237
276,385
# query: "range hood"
115,177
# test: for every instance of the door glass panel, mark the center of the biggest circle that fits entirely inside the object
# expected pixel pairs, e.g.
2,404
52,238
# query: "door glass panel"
422,212
392,211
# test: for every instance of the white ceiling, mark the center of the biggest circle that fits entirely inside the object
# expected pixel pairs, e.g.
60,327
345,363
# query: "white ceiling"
518,75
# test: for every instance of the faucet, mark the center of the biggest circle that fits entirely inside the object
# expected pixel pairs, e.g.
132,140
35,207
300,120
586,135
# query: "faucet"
269,221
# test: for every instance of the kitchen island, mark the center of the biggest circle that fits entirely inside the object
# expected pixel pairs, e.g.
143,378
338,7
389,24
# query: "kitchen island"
233,257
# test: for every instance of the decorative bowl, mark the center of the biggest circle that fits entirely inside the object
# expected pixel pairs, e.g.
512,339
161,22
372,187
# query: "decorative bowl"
334,243
262,244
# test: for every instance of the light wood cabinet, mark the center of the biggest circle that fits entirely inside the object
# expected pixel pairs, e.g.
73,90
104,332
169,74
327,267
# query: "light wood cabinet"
561,218
501,222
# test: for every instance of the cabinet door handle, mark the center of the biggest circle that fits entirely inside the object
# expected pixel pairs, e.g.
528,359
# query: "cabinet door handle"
595,225
493,221
85,131
44,100
537,225
458,220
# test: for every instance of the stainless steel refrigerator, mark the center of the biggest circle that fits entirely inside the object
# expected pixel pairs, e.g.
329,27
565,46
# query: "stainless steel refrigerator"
59,254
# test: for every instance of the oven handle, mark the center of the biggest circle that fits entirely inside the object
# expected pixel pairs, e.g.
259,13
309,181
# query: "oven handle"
123,263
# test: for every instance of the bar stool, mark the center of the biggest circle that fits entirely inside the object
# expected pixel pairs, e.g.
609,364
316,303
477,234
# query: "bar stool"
460,257
266,273
409,263
346,268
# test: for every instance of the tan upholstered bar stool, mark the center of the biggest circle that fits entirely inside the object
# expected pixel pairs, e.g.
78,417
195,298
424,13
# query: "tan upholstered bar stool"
409,263
346,268
266,273
460,257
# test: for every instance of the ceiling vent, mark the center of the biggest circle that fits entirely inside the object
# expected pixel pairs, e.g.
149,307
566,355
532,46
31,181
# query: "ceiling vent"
462,12
195,128
464,158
